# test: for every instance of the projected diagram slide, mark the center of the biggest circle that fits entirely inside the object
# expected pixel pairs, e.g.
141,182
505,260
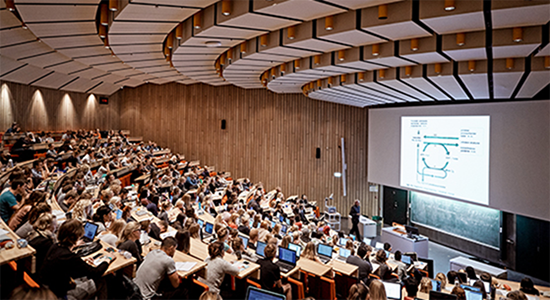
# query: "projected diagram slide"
447,156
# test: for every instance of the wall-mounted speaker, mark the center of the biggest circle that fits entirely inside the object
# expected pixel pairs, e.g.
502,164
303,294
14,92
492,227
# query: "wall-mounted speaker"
223,124
318,153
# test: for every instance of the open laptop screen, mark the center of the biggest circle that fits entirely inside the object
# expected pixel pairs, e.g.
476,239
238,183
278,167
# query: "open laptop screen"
287,255
471,295
254,293
345,252
325,250
260,249
245,241
393,290
209,228
296,248
90,230
406,259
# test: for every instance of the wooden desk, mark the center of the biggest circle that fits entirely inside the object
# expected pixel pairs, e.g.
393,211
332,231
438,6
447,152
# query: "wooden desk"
314,267
15,253
120,261
199,250
179,257
516,285
206,217
57,211
344,268
145,217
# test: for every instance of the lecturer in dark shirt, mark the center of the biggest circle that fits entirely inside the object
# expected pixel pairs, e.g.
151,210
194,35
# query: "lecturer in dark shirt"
61,265
270,274
354,212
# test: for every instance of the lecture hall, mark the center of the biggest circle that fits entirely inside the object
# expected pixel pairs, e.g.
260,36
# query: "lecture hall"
275,149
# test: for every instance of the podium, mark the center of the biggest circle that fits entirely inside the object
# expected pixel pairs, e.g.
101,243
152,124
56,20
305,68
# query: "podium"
404,243
367,227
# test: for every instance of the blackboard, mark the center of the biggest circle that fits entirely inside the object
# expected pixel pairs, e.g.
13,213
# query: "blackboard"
473,222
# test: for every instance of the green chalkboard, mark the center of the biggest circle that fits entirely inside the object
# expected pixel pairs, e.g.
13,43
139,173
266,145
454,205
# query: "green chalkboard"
469,221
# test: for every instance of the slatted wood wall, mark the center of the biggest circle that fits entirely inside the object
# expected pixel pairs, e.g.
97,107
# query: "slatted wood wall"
269,138
37,108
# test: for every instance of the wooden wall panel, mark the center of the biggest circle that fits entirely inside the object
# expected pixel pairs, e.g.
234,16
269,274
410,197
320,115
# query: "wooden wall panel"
270,138
36,108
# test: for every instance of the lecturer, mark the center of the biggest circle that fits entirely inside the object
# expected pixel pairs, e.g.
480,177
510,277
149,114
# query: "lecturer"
354,212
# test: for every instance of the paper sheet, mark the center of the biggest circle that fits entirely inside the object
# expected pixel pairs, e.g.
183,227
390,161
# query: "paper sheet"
185,266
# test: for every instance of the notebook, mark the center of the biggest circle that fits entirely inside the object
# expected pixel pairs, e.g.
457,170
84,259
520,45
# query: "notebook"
287,260
325,252
296,248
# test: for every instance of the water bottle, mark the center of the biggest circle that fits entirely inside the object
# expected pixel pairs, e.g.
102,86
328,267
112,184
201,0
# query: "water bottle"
10,163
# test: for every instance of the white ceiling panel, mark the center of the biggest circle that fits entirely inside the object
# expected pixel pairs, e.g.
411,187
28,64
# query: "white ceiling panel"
536,80
544,51
521,16
362,65
134,12
80,85
7,19
53,13
147,63
54,81
357,4
46,59
131,82
426,58
284,88
64,28
68,67
513,50
301,9
423,85
126,49
118,27
397,97
319,45
477,85
110,78
73,41
467,54
399,31
25,50
199,68
352,89
7,64
251,20
15,36
121,39
89,73
451,86
26,74
270,57
391,61
398,85
289,51
374,93
187,81
228,32
144,77
201,41
505,83
160,81
354,38
188,3
457,23
84,51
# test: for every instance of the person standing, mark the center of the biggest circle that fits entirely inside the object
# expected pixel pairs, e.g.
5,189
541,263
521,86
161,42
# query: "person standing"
354,212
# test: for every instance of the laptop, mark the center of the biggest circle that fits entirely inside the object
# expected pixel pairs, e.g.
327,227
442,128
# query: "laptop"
470,288
436,285
281,218
208,230
273,224
287,221
393,290
342,242
200,222
343,254
379,245
367,241
287,260
441,296
260,249
296,248
254,293
471,295
90,230
245,241
352,236
284,229
406,259
325,252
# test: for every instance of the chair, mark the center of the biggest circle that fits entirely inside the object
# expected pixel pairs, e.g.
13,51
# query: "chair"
430,263
297,289
250,282
343,284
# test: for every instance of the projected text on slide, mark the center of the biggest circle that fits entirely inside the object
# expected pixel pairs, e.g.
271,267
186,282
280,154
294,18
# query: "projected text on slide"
448,156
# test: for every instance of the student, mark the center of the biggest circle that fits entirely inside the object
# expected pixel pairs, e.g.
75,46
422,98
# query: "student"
217,266
527,287
208,295
61,264
287,239
270,274
441,277
110,236
21,215
184,241
459,292
253,238
35,212
102,217
383,271
401,268
425,285
42,237
8,201
358,291
310,253
387,247
377,290
68,201
364,266
245,219
471,273
158,266
516,295
129,240
194,231
25,292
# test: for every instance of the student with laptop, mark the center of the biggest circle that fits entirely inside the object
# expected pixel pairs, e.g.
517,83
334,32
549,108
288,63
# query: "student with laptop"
383,271
364,266
310,253
270,273
217,267
324,253
401,268
61,264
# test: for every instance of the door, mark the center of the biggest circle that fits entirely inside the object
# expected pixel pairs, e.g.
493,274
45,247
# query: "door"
395,205
533,247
